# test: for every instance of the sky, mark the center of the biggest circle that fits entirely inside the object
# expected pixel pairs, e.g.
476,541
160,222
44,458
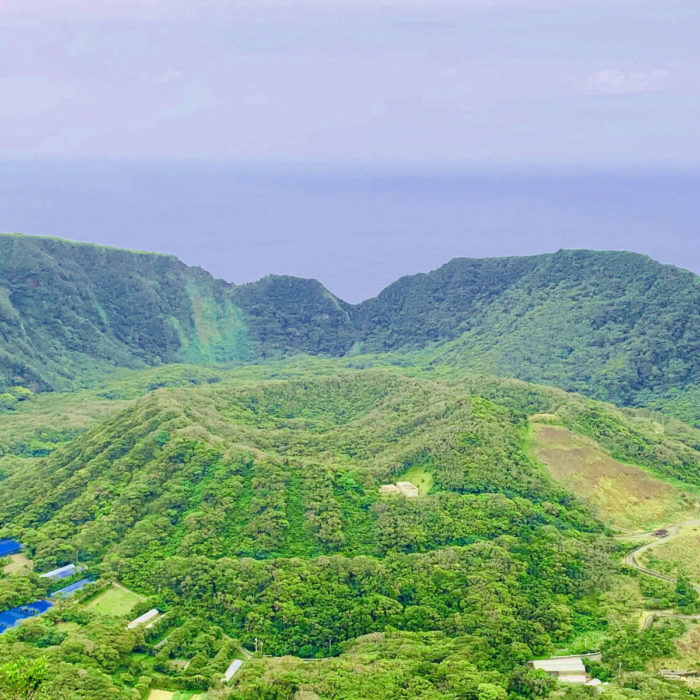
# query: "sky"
374,81
353,141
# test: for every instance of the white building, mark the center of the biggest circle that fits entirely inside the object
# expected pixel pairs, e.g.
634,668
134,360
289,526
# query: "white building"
142,619
567,670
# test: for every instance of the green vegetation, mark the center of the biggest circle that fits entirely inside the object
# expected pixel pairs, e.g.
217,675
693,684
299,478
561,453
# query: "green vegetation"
239,494
115,601
250,505
680,554
687,600
420,478
616,326
21,679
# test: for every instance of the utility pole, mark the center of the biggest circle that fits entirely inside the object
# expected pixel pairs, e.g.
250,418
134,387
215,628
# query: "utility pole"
256,645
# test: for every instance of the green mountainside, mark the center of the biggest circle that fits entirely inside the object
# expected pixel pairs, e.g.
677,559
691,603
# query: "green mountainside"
243,458
69,312
249,506
616,326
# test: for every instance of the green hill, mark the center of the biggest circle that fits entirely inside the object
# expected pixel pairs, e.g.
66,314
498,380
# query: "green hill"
69,312
252,505
616,326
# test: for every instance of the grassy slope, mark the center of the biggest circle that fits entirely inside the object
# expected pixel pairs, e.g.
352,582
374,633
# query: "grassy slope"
624,495
681,554
114,601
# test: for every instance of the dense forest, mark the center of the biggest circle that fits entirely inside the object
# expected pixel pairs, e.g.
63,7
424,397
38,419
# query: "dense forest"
246,505
314,500
616,326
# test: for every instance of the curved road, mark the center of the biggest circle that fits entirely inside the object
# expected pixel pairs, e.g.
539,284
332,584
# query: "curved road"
631,560
673,530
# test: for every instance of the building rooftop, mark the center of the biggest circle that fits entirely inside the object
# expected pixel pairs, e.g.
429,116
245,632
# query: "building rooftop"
61,572
143,618
565,666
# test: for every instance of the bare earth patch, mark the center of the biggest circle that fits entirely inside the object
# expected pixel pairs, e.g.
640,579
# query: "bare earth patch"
623,495
18,562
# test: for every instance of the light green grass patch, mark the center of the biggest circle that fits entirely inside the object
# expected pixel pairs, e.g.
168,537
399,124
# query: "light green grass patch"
17,563
420,478
582,643
115,602
161,695
176,695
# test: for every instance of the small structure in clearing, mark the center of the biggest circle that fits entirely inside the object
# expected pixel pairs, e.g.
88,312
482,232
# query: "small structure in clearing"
403,487
567,670
408,489
141,619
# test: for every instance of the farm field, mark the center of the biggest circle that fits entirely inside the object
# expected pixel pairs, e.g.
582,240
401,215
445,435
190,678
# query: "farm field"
623,495
115,601
177,695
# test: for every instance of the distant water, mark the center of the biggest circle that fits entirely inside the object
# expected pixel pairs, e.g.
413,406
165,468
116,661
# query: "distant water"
355,231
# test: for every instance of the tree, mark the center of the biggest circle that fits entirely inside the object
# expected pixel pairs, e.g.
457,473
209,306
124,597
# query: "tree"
22,678
7,401
687,599
489,691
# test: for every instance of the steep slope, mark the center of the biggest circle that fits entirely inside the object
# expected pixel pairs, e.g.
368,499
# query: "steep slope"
69,312
623,495
616,326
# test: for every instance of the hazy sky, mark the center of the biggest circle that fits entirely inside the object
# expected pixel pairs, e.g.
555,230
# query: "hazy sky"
428,81
352,140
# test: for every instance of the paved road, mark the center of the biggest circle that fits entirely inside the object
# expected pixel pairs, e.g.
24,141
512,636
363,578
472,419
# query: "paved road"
631,560
673,530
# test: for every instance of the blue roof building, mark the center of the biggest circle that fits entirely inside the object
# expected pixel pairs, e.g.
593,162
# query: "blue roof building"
12,617
61,572
8,547
72,588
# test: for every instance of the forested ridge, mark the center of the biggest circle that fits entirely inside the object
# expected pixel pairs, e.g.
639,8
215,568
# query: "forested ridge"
249,506
616,326
230,456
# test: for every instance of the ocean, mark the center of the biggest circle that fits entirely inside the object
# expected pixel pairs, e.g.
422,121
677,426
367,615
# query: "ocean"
355,229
